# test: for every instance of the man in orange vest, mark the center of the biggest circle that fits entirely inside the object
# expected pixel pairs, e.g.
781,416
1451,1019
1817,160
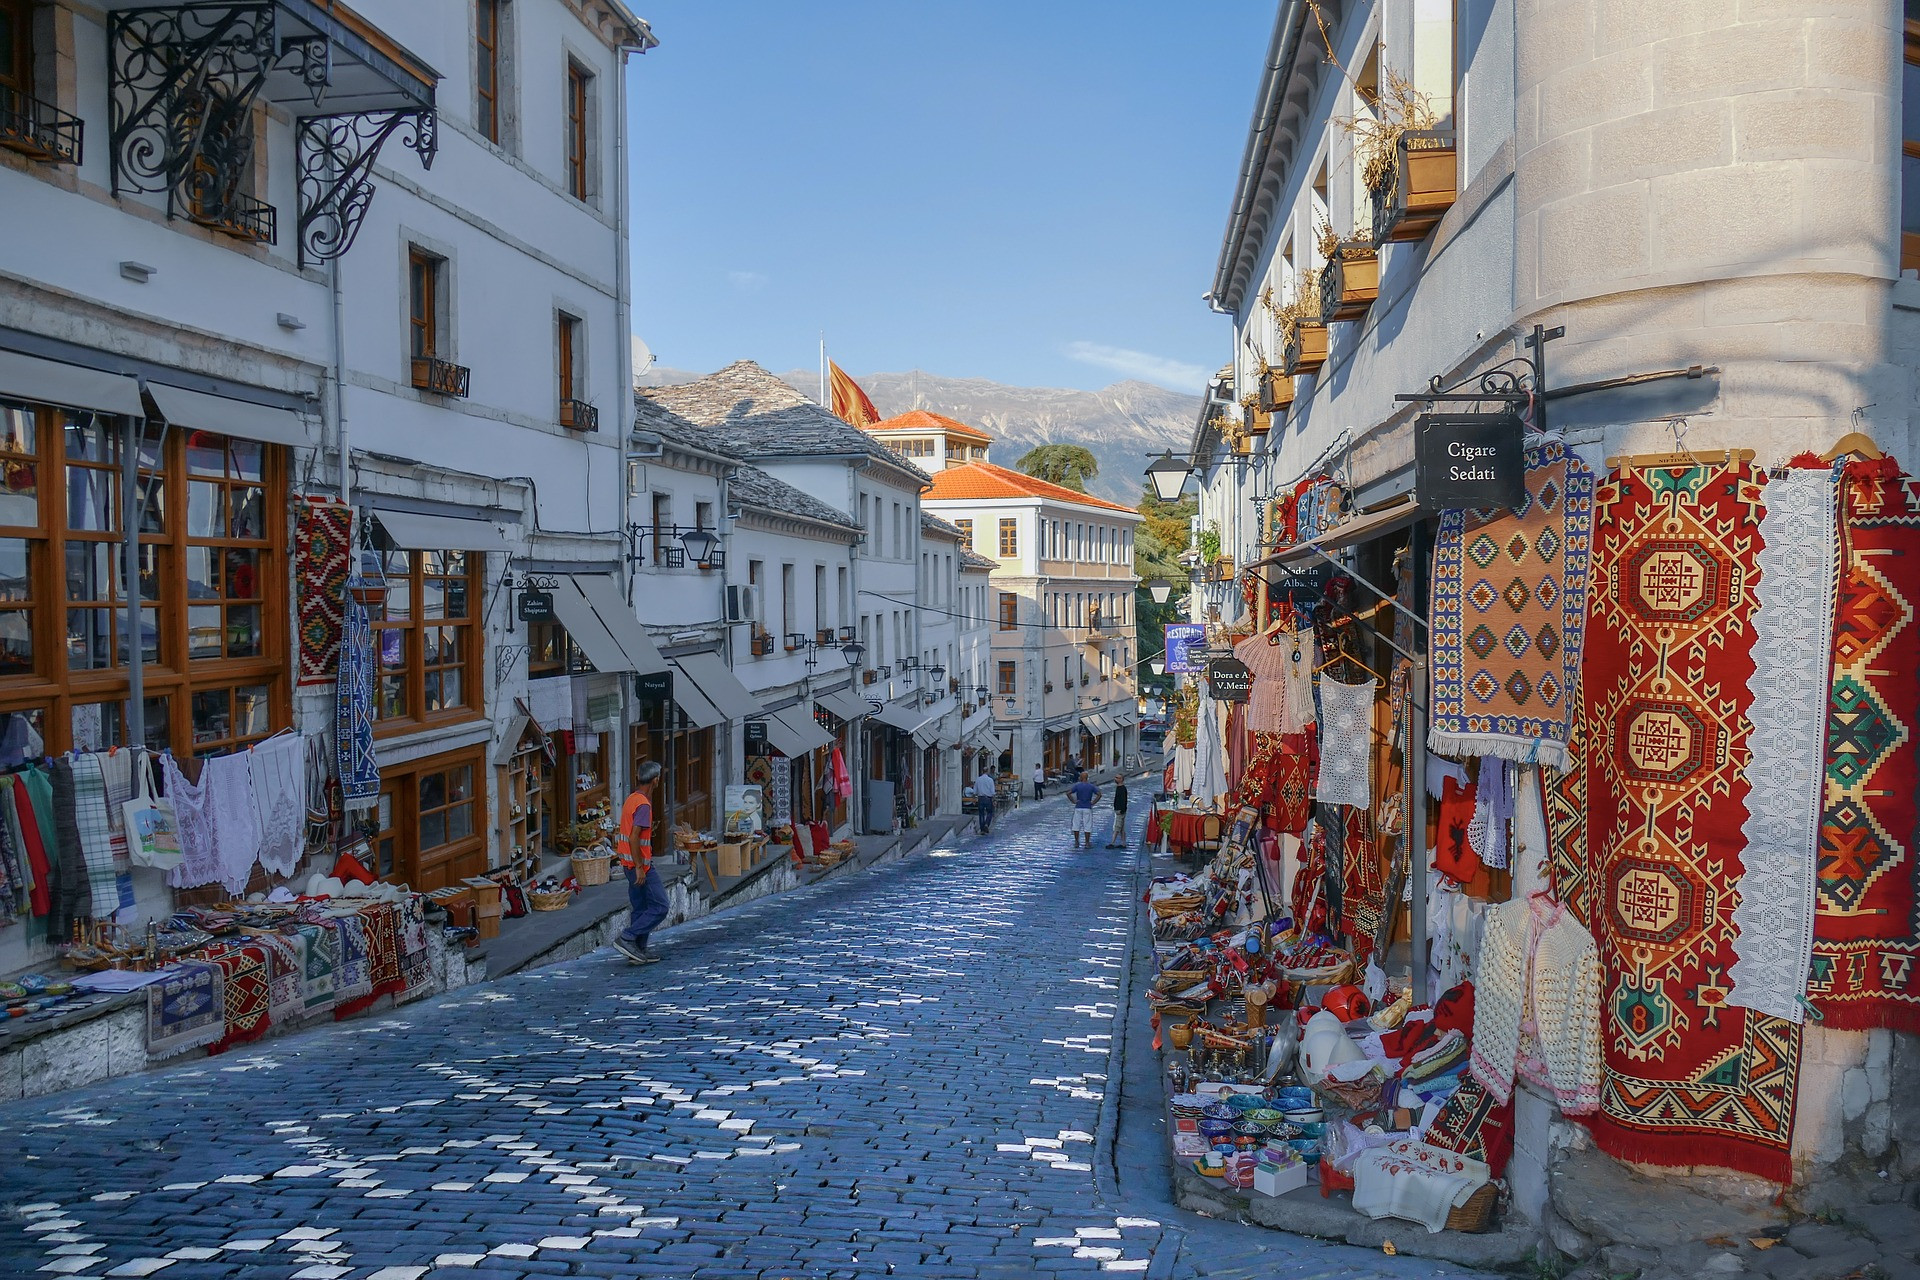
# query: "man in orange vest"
646,896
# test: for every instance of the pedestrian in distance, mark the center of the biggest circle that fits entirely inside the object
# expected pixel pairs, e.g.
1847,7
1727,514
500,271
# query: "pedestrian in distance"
1039,782
633,842
1118,840
1074,771
1084,795
984,791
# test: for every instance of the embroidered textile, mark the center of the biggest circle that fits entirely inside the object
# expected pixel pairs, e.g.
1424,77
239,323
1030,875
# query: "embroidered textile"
322,548
186,1009
1566,803
277,769
1866,934
236,819
1509,616
1492,811
193,815
1416,1181
1292,794
1792,640
354,761
1476,1124
416,967
1691,1080
1363,885
1303,657
1346,742
247,998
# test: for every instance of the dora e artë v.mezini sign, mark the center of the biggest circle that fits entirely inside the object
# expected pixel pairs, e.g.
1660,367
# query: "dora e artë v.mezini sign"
1468,460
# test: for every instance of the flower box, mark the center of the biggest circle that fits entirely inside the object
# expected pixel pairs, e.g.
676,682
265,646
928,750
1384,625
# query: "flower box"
1259,422
1276,391
1350,283
1426,179
1306,350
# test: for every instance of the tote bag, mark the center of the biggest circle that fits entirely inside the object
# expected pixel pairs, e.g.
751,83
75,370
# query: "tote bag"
153,837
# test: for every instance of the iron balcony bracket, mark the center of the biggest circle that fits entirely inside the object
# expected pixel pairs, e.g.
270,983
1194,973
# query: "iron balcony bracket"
335,157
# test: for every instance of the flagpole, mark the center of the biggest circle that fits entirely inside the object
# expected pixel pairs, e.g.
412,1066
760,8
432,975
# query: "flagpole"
823,370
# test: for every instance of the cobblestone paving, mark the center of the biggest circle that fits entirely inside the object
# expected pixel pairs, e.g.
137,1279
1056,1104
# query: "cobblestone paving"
900,1072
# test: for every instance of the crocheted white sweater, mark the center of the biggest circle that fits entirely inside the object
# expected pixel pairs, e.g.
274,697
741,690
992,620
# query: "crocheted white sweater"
1537,959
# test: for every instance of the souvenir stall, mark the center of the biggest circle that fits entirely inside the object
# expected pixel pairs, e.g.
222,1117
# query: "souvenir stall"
1639,725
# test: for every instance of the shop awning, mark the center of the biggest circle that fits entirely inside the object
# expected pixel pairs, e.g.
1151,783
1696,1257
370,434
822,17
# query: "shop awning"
795,732
1097,724
844,703
719,686
68,385
700,713
904,716
198,411
590,607
1362,528
414,532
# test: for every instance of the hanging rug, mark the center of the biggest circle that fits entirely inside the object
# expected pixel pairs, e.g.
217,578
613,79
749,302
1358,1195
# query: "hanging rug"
322,547
1866,945
1690,1079
1509,616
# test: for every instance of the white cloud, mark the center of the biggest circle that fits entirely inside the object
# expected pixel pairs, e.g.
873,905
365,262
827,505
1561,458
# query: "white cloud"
747,281
1138,364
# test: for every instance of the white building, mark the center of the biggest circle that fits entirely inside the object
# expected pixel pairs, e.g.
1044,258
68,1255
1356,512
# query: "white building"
980,745
753,415
286,303
932,441
1063,626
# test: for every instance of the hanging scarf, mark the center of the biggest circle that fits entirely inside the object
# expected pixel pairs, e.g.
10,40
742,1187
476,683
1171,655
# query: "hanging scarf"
353,713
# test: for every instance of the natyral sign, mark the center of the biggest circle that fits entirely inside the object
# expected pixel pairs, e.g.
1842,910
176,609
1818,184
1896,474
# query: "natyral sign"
1468,460
655,686
1184,641
1229,680
536,606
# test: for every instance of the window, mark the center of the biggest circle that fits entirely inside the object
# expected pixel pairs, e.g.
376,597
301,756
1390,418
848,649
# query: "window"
569,359
16,53
789,603
423,302
966,527
579,164
1009,538
430,833
703,515
1009,674
840,594
1009,611
662,522
820,616
552,652
1910,147
486,80
425,648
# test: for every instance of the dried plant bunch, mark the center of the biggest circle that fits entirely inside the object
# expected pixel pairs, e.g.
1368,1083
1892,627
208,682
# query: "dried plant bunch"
1400,109
1328,242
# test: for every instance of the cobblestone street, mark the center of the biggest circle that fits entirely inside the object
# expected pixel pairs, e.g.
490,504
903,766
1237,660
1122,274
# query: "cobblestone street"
902,1072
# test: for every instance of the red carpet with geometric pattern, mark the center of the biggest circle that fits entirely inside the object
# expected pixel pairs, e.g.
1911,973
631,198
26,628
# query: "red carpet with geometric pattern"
1690,1080
1866,938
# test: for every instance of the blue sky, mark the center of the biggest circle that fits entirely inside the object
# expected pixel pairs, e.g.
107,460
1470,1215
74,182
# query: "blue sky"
1029,192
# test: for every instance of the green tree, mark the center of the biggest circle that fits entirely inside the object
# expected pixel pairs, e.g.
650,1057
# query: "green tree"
1062,464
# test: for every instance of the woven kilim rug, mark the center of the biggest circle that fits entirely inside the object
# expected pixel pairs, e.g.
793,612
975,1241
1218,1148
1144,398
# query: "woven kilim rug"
354,762
185,1009
1509,612
1866,932
322,546
247,1002
1691,1080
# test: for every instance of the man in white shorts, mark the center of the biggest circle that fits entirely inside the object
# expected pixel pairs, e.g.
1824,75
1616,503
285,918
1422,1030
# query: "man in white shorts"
1084,795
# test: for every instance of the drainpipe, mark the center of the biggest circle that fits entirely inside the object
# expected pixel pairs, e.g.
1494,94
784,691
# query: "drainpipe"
130,552
338,304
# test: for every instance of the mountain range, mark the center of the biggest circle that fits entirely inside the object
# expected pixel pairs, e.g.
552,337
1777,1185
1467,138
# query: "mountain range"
1120,425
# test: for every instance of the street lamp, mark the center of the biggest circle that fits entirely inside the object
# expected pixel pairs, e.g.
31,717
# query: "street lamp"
937,673
1158,665
699,545
980,693
1169,476
853,651
1160,589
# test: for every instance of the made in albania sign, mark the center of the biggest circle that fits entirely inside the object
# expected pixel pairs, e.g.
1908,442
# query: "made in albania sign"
1469,460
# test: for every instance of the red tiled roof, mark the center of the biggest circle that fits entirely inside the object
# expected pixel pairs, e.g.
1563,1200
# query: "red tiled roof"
989,480
923,420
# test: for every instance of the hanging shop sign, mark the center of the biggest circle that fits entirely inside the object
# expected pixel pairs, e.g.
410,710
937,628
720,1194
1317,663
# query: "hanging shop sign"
1184,640
656,686
756,732
1469,460
536,606
1229,680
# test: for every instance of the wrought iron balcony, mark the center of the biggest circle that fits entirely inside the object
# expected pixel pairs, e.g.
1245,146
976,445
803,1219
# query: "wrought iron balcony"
239,216
442,377
39,129
578,415
762,644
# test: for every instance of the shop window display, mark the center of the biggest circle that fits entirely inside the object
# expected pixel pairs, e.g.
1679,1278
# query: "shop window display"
424,639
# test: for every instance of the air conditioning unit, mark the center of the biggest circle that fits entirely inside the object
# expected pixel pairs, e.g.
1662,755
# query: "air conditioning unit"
743,604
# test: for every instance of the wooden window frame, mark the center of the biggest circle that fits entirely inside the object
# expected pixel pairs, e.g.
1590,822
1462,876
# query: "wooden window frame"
452,860
19,76
423,303
566,354
413,628
52,687
1007,679
1009,611
488,16
1009,537
579,105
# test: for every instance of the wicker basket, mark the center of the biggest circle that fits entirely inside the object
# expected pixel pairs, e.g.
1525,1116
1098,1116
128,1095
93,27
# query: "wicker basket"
551,900
591,870
1477,1213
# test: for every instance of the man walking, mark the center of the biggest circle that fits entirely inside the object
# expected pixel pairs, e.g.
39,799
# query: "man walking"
646,896
1083,794
1039,782
1118,840
984,791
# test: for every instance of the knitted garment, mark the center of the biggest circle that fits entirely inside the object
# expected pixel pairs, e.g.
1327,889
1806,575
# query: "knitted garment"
1346,743
1492,811
1267,657
1537,963
1302,656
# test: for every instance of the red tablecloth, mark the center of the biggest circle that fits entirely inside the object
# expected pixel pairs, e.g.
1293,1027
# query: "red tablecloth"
1183,830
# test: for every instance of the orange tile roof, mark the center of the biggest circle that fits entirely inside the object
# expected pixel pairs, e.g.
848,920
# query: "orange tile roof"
923,420
978,480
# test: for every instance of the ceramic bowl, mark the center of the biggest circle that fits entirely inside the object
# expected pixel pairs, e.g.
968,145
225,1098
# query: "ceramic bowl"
1294,1096
1309,1129
1216,1130
1246,1102
1221,1111
1266,1115
1305,1115
1306,1148
1282,1131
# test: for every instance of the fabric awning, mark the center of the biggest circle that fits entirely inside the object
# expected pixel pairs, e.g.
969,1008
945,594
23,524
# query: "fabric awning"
590,608
69,385
904,716
844,703
1097,723
794,731
1362,528
414,532
693,704
198,411
719,686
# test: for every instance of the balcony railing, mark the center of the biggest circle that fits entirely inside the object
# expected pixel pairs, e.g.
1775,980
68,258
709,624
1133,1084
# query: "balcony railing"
240,216
763,644
442,377
578,415
39,129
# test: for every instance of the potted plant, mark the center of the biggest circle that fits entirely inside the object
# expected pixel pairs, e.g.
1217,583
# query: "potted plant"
1303,338
1406,161
1276,391
1350,280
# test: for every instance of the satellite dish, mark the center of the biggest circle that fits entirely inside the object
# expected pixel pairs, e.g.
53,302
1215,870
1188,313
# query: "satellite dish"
643,356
